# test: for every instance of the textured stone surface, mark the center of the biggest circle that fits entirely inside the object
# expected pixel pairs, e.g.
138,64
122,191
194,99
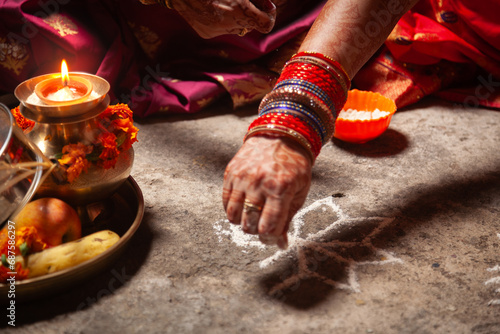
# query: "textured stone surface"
399,235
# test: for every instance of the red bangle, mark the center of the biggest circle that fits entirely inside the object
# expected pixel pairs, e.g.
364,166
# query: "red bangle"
319,69
333,71
273,130
313,107
299,107
319,77
290,122
326,58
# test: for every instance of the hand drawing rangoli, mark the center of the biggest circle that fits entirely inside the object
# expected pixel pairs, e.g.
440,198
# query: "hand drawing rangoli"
322,243
494,280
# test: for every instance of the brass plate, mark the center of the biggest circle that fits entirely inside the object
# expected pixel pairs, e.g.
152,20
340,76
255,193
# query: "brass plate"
123,215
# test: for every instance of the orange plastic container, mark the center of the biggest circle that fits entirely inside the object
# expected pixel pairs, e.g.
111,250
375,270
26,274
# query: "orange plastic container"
362,130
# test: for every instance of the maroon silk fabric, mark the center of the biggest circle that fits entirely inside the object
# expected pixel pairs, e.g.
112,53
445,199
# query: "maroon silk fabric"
153,60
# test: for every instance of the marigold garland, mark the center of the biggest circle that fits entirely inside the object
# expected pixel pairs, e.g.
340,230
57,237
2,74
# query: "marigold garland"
27,241
75,158
21,121
118,135
109,150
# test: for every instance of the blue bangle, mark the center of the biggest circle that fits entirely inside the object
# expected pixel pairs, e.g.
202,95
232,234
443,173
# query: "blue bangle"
298,108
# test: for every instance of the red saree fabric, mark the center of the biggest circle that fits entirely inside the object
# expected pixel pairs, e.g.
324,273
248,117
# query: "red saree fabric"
447,48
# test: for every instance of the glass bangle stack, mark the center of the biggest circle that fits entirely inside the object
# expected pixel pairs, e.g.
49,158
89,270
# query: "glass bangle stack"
304,103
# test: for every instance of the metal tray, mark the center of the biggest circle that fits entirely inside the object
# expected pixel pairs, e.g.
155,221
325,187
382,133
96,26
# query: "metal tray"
123,214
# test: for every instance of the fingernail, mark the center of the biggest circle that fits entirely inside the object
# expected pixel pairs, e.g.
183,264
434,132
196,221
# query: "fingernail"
268,239
282,242
264,5
249,227
251,222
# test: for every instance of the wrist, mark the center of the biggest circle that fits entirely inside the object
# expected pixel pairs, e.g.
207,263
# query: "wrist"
303,105
267,140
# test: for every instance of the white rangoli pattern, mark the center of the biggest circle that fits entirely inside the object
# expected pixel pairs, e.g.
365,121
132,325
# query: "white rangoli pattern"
318,243
494,280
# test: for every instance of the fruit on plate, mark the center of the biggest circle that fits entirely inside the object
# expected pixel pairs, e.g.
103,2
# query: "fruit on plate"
69,254
56,222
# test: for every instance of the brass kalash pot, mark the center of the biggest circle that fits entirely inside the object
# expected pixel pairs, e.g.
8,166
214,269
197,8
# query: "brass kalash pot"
78,121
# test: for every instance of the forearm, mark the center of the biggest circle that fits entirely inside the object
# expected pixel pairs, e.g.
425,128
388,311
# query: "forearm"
351,31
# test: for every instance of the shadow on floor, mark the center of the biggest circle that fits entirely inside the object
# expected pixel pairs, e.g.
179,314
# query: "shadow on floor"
309,277
390,143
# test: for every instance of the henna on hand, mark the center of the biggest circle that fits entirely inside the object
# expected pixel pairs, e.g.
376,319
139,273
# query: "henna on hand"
274,173
211,18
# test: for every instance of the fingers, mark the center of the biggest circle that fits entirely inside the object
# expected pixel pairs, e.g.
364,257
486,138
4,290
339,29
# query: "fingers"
241,17
268,218
255,213
264,186
234,206
264,15
273,224
215,18
264,5
251,216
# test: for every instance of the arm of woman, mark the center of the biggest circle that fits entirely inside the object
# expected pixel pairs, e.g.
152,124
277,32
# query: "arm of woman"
268,180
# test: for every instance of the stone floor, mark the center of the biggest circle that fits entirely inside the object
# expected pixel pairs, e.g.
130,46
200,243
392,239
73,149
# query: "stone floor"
399,235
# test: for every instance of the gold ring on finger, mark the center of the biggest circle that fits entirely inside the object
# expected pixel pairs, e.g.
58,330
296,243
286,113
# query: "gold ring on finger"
249,207
243,32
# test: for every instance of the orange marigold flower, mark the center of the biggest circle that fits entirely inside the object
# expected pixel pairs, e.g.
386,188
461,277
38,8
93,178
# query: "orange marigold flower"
4,239
118,119
29,235
109,153
6,271
21,121
74,157
20,273
120,110
128,128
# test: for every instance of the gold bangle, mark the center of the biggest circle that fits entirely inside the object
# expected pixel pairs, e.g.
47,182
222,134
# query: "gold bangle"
331,59
315,105
281,131
337,73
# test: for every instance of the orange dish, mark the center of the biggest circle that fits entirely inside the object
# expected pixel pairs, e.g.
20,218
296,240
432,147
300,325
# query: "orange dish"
365,116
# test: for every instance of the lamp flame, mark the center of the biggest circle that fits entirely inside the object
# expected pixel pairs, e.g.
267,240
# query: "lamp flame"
64,73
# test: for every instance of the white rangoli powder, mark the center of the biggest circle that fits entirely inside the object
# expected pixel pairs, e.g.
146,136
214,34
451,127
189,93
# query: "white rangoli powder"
353,114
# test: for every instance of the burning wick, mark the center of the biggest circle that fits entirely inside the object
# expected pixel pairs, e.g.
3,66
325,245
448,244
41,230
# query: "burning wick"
63,89
64,73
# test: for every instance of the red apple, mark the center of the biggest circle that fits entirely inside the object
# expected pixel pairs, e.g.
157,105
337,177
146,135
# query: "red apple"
55,220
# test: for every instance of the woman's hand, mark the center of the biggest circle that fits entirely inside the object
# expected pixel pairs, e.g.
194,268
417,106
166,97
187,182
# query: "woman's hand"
273,176
211,18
